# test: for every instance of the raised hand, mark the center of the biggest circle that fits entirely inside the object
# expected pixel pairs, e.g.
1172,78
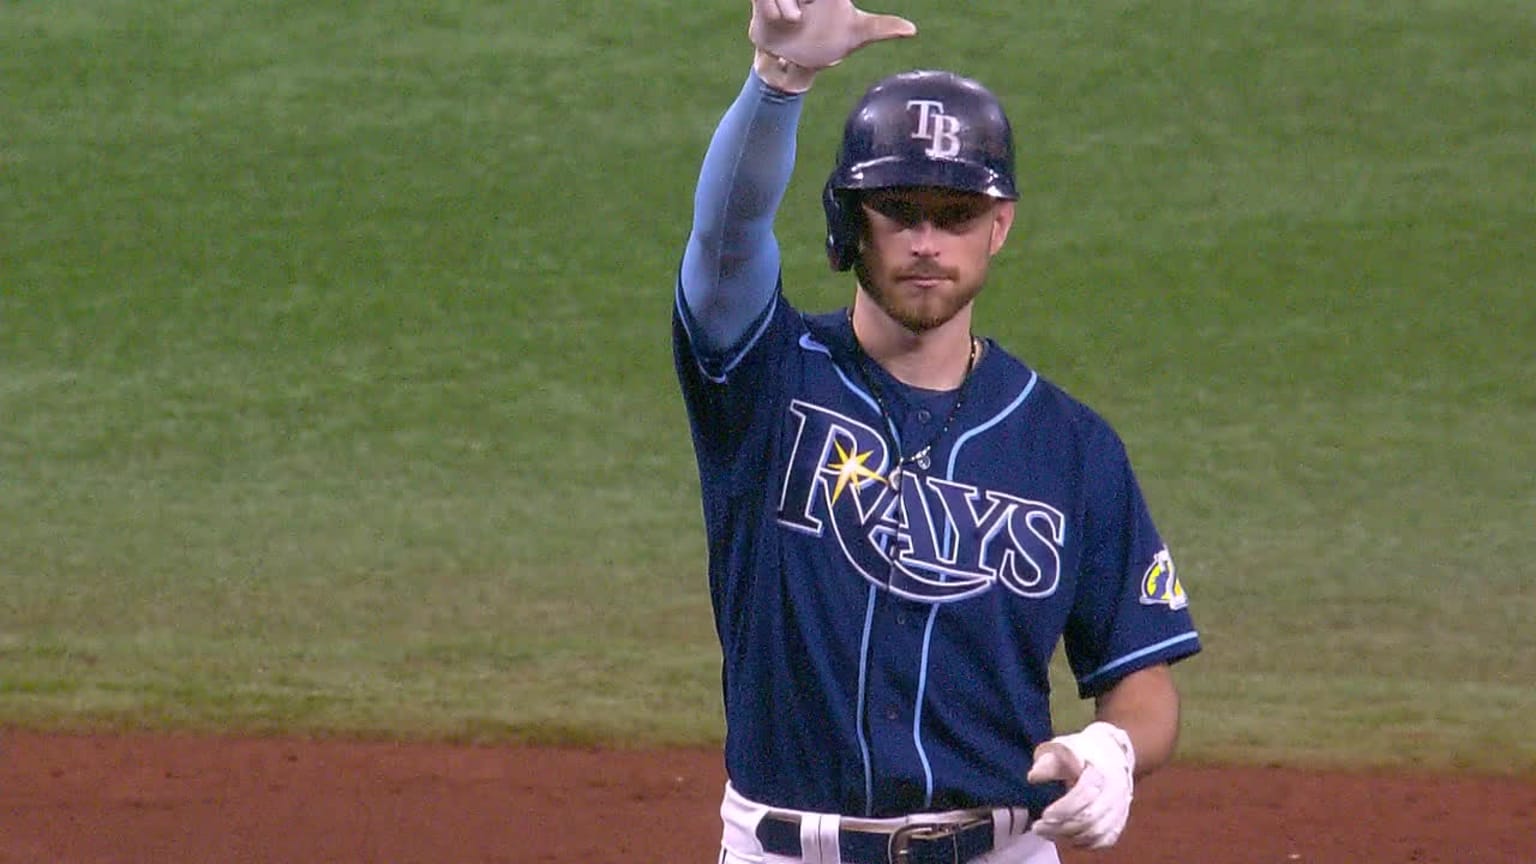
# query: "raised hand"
815,34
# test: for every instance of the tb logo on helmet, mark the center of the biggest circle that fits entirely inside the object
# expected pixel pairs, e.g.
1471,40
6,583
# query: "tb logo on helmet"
940,130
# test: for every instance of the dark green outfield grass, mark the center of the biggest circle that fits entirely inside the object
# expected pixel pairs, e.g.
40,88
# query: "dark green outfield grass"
335,390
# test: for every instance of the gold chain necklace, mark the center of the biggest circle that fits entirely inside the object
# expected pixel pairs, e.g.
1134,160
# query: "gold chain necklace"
923,457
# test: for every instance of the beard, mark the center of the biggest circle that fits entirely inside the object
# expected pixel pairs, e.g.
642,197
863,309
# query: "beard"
917,310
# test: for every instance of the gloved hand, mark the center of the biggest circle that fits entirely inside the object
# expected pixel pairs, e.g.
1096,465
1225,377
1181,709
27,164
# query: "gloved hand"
815,34
1098,764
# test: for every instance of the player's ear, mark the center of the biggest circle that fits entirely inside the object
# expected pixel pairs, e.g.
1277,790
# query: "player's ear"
1002,223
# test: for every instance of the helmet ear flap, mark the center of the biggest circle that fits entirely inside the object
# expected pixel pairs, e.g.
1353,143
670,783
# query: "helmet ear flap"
841,207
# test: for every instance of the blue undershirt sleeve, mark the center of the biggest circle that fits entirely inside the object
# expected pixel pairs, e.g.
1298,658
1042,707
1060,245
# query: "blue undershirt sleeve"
730,268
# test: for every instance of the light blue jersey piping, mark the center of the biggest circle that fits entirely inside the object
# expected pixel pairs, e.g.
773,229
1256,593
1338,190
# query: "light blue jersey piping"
1134,656
933,612
809,344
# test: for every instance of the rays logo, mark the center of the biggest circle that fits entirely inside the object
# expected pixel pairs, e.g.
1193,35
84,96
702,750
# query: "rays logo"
922,537
1160,584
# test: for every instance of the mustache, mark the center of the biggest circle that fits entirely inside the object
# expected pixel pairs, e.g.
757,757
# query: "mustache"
925,271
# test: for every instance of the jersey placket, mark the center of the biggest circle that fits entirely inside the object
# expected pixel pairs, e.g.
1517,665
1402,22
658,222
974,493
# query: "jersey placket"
900,644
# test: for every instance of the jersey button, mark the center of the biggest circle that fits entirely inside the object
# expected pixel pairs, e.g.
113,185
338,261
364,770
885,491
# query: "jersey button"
902,619
924,415
890,714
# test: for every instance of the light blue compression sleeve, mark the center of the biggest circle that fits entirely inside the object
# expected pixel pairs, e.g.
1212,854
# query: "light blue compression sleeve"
730,267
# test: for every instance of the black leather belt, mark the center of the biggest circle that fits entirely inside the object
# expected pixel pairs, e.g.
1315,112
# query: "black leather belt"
930,843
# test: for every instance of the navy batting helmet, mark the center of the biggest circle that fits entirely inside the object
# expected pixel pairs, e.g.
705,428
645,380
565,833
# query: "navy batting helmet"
922,128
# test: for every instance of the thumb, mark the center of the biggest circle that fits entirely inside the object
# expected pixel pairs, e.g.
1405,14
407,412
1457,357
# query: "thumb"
869,28
1054,762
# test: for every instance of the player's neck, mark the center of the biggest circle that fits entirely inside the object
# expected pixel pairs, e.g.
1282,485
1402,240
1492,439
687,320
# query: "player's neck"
937,359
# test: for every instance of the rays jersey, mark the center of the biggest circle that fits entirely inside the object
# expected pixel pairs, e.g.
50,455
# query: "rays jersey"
887,629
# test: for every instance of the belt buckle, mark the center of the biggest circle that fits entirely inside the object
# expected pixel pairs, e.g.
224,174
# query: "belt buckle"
898,848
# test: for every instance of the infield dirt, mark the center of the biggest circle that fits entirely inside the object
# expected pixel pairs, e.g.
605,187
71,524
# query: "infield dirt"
138,798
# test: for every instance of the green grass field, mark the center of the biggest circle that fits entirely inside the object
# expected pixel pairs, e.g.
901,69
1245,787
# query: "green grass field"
336,397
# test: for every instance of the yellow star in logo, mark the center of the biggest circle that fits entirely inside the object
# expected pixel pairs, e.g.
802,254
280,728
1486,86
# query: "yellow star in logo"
851,469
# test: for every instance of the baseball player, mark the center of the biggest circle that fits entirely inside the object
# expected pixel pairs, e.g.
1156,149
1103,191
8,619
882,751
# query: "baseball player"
903,518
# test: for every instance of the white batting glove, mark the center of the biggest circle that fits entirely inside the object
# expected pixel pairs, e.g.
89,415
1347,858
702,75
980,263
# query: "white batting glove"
1098,763
815,34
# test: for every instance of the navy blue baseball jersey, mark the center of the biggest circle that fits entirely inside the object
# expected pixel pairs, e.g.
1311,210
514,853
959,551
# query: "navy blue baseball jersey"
887,628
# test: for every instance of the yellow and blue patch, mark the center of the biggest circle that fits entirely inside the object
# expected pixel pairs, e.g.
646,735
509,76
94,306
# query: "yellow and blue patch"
1160,584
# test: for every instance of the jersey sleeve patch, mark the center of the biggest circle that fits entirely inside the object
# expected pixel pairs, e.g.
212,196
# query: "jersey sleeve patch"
1160,584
